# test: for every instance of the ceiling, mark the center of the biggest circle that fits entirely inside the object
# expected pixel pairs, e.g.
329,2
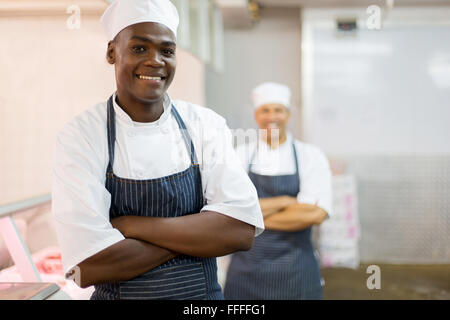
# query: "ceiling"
236,13
349,3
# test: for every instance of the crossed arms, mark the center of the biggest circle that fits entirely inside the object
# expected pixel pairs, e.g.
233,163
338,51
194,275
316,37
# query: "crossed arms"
284,213
151,241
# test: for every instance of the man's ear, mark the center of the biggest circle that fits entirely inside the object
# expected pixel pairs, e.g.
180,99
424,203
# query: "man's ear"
111,52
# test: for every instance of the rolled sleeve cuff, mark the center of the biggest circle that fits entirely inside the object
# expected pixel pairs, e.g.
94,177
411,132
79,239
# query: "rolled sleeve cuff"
249,217
71,261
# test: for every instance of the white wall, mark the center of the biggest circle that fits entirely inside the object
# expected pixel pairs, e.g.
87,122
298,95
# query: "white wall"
381,91
270,51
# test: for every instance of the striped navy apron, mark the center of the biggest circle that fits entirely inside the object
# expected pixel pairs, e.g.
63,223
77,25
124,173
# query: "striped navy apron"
280,265
184,277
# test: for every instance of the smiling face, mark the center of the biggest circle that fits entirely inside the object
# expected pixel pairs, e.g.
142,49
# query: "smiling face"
272,116
144,59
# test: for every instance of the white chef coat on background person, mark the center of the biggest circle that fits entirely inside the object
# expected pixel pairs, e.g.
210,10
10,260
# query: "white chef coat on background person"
143,151
314,169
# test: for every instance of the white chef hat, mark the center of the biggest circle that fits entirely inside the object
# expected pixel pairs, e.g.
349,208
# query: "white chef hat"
271,92
123,13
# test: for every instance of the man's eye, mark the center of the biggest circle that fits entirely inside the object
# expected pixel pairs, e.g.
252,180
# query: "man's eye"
168,52
138,49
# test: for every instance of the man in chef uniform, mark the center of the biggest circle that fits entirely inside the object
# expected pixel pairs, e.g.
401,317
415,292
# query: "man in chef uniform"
148,191
293,181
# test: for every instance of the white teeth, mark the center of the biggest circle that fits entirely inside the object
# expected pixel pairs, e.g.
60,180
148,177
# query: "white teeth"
149,78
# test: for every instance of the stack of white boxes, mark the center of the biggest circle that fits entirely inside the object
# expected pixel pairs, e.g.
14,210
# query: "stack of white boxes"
339,235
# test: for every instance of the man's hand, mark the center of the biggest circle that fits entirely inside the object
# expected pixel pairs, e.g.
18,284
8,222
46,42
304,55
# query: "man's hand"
123,224
273,205
121,261
296,217
288,201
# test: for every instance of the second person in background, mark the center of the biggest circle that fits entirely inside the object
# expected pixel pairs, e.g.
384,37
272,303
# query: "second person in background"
293,181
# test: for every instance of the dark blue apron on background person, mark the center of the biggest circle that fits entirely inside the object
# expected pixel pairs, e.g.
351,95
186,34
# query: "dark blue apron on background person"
179,194
281,265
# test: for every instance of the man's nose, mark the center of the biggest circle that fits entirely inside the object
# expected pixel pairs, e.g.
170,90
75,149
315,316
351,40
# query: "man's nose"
272,117
154,59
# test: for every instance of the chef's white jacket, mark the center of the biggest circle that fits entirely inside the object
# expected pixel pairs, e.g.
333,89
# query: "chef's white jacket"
314,169
80,201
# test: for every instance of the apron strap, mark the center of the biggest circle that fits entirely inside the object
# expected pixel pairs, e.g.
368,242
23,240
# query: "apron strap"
111,125
252,157
295,157
297,165
186,137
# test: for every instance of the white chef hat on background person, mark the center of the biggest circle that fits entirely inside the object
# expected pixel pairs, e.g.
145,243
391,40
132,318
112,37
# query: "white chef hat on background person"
123,13
271,92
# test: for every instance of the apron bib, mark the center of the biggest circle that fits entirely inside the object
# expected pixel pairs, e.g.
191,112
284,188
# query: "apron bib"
281,265
179,194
